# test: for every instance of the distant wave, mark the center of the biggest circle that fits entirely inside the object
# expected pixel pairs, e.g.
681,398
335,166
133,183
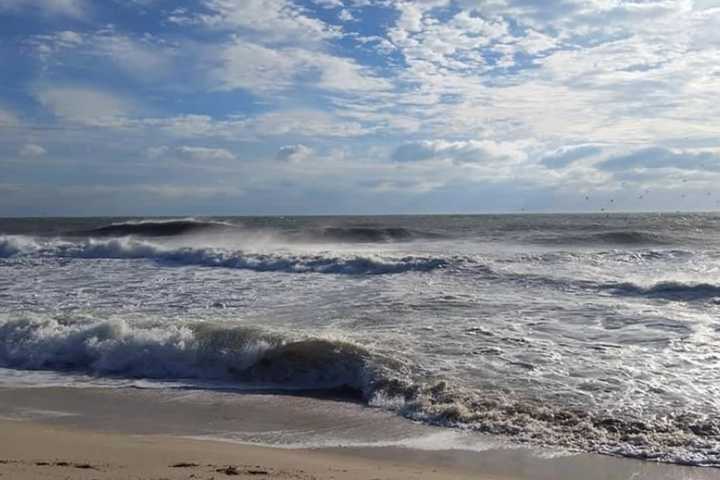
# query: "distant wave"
603,256
363,234
156,228
546,277
128,248
620,237
667,290
250,356
332,234
671,290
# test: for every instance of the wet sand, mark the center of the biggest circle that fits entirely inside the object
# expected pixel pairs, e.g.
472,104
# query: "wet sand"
34,451
101,433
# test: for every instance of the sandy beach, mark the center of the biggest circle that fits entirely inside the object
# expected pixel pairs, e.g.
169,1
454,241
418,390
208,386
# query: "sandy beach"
34,451
136,433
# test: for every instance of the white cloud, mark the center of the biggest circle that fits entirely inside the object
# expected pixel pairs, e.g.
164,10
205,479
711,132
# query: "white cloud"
85,106
156,152
432,47
460,152
182,191
71,8
205,153
163,191
140,58
261,69
346,16
303,123
567,154
659,157
329,3
275,21
254,67
143,57
7,118
32,150
191,126
308,123
294,153
570,72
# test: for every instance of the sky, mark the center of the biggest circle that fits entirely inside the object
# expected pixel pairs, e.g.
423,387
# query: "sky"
256,107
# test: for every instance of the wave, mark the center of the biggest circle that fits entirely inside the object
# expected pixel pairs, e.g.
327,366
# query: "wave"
670,290
603,256
674,290
178,227
252,357
129,248
189,351
366,234
667,290
679,437
156,228
620,237
13,245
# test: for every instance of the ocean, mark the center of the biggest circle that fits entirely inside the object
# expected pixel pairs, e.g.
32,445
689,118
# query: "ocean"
583,333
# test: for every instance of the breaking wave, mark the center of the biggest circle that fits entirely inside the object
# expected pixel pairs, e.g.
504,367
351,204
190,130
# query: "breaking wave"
129,248
247,356
188,351
157,228
13,245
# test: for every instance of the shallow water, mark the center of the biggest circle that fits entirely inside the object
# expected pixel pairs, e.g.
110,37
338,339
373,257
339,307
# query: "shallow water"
588,332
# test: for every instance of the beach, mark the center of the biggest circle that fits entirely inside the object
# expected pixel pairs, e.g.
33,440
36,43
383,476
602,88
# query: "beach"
34,451
145,434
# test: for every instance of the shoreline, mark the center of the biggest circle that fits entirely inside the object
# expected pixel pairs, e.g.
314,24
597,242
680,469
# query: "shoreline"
51,432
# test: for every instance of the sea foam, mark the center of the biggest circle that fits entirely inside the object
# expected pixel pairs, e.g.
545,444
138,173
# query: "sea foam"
130,248
277,360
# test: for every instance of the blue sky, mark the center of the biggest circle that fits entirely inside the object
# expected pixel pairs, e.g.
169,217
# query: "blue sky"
121,107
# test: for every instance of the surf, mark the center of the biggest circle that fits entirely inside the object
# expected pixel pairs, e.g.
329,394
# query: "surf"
262,359
128,248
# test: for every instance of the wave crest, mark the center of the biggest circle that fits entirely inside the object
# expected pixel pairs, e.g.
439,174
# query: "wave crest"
129,248
157,228
13,245
269,262
191,351
331,234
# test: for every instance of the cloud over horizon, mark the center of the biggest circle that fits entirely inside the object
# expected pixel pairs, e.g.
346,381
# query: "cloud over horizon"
359,106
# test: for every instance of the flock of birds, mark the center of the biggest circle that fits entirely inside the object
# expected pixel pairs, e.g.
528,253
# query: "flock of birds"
611,202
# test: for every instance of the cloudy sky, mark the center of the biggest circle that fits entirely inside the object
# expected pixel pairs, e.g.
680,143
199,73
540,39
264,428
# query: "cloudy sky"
117,107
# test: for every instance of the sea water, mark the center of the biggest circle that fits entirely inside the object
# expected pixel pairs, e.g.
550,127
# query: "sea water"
594,333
